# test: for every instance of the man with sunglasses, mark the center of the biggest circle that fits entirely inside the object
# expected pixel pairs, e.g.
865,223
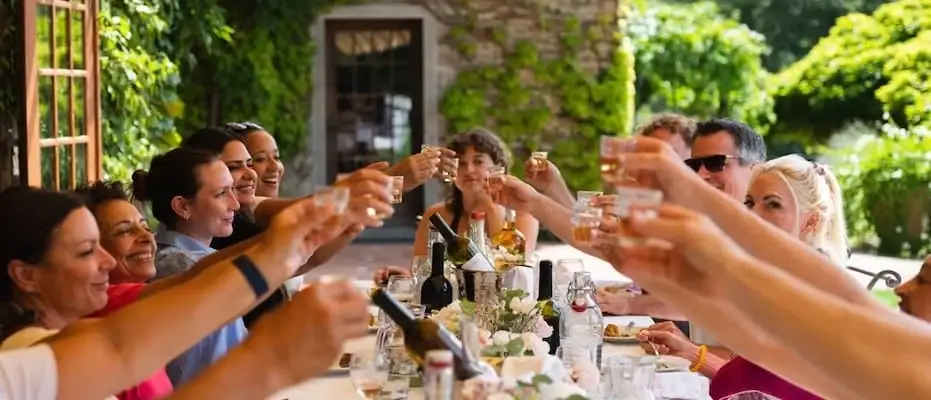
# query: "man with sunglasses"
724,153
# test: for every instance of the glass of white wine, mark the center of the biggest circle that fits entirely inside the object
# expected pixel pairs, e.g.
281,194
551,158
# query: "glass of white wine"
369,372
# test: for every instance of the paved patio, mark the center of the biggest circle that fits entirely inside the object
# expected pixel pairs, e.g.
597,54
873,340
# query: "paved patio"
360,260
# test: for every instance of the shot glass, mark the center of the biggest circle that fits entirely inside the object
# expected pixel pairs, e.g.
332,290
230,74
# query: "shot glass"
585,221
586,198
429,149
611,148
495,182
448,169
628,197
539,163
333,195
397,189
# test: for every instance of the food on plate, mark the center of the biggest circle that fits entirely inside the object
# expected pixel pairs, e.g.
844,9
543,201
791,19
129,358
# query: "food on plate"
344,360
614,331
614,289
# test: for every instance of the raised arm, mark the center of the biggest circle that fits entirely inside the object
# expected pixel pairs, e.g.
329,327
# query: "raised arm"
293,343
762,240
810,321
671,277
134,342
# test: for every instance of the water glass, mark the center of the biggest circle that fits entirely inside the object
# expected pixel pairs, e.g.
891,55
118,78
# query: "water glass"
397,189
569,354
369,373
402,288
585,220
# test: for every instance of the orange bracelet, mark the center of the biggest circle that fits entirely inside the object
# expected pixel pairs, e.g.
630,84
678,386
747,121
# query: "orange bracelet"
702,355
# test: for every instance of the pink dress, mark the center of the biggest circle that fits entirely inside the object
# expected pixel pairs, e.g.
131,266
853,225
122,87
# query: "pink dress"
156,386
741,375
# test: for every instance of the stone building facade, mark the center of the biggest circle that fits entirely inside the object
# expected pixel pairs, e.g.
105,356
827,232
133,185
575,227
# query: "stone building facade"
454,36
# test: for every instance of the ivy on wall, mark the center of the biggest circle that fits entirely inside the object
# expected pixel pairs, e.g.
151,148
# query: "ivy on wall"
547,102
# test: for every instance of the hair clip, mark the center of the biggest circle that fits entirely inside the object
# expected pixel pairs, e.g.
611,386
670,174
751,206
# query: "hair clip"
818,168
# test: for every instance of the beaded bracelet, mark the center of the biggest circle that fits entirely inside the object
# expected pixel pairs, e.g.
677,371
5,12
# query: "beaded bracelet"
702,355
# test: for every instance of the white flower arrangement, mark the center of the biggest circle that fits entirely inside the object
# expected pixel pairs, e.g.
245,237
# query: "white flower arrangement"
541,387
516,325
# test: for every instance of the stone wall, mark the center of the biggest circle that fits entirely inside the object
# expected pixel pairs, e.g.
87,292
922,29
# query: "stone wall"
475,33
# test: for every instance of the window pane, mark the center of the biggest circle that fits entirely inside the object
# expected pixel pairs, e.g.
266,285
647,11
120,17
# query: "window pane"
64,111
45,106
47,161
79,111
43,35
61,38
80,164
77,38
65,163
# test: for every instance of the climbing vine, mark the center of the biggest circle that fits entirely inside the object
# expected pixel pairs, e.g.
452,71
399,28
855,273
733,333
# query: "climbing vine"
553,102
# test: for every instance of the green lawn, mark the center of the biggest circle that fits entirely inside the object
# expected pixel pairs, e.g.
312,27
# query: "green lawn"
887,296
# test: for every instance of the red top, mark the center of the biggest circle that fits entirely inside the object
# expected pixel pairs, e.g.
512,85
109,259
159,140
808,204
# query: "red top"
740,375
156,386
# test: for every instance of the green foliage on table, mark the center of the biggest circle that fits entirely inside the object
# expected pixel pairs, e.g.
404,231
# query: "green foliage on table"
869,68
691,58
514,98
887,190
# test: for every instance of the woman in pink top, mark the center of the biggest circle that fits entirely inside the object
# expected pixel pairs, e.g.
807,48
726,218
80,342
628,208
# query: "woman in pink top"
804,199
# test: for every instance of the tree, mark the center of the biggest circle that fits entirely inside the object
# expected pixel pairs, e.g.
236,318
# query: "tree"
692,59
871,68
792,27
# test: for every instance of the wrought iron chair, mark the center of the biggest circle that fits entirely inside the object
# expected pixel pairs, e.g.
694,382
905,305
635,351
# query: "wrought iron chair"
889,277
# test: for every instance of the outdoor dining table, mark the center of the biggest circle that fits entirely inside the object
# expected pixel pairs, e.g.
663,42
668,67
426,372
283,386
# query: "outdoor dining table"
683,385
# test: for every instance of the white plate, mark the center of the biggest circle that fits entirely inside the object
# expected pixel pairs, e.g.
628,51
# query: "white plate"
672,364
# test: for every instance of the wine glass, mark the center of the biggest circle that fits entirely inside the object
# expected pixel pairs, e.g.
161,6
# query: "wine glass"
369,372
402,288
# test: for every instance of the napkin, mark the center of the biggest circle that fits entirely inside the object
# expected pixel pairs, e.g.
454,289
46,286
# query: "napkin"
520,277
523,369
479,263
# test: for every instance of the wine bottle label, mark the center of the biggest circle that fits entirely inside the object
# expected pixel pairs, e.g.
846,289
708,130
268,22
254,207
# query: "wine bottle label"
478,263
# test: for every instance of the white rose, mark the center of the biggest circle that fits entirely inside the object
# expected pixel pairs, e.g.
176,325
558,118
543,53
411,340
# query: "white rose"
501,338
514,304
527,305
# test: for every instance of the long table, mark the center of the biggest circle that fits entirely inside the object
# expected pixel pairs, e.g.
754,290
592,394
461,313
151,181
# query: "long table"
669,385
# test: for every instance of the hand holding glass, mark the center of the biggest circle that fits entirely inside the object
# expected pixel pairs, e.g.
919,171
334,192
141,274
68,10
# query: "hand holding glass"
584,222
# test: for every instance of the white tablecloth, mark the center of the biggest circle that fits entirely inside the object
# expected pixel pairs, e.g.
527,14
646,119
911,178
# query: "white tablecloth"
668,385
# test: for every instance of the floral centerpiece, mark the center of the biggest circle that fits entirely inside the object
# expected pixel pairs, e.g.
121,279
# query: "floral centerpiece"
513,327
541,387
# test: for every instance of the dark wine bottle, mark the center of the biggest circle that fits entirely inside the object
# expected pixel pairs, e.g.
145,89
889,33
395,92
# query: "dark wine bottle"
436,291
422,335
460,250
550,312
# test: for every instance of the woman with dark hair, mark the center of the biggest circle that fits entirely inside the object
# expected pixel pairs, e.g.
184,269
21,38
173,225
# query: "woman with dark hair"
192,196
266,159
57,273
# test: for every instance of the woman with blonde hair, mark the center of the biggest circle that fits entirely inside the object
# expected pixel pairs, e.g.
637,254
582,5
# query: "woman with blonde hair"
803,199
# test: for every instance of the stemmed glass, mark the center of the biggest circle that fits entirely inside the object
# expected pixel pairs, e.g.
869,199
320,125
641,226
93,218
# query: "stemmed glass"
369,372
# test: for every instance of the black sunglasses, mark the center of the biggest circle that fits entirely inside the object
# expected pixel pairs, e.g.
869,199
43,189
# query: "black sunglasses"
715,163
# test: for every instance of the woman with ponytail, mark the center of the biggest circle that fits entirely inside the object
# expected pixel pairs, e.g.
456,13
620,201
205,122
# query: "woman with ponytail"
803,199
